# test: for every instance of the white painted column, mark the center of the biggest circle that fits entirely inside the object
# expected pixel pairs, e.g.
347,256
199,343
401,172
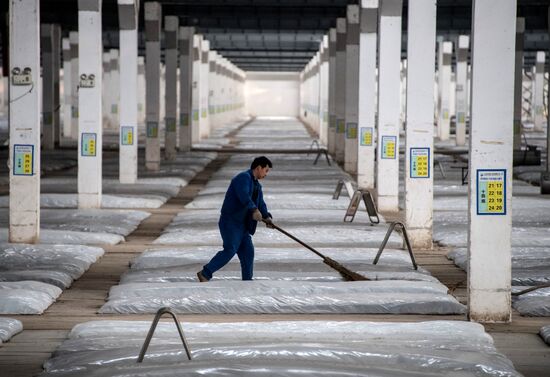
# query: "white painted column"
323,87
90,125
73,38
24,119
204,117
48,127
367,94
443,120
538,105
196,94
171,28
115,85
419,120
153,20
331,137
389,81
67,93
186,86
352,89
490,162
340,90
107,89
213,89
128,11
461,88
56,51
141,90
518,81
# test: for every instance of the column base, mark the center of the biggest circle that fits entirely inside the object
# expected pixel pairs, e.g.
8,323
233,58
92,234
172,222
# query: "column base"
421,238
388,203
24,233
489,305
86,201
152,165
351,167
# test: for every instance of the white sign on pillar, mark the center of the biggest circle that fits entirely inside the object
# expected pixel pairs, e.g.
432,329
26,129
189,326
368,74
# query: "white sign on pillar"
367,94
340,104
331,137
171,28
90,125
153,19
352,89
73,38
186,86
461,88
444,119
538,106
419,120
389,96
128,140
24,120
490,160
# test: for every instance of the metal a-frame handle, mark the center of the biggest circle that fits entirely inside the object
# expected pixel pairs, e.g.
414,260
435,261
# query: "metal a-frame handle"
369,205
393,227
159,314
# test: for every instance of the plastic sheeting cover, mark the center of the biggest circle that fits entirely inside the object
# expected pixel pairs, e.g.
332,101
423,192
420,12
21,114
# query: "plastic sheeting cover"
26,297
8,328
450,348
533,304
392,296
71,237
545,334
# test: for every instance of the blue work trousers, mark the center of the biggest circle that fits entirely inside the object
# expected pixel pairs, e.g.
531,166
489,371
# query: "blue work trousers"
236,240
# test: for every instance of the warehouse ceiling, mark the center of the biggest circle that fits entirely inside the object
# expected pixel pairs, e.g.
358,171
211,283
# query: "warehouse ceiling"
282,35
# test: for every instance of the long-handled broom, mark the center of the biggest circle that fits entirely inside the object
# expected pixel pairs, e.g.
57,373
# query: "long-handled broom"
345,272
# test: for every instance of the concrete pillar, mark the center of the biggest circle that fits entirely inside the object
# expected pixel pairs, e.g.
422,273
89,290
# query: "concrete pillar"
24,120
461,88
67,93
107,89
204,118
48,107
186,86
56,51
153,20
352,89
90,125
141,90
114,82
518,78
419,120
548,104
128,11
331,136
367,94
171,28
340,104
538,104
214,90
323,96
443,120
196,94
389,81
73,38
490,162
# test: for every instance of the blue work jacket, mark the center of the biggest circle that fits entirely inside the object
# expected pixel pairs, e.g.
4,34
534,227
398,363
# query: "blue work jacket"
239,205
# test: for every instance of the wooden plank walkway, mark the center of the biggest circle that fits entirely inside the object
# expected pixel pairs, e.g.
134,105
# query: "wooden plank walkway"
24,354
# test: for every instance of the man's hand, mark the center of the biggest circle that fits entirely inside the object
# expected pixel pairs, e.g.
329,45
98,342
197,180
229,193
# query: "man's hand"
257,215
268,222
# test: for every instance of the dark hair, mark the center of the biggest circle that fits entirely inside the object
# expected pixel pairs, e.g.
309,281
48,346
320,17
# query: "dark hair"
261,161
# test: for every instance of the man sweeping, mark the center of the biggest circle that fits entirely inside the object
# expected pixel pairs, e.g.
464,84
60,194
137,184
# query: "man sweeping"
242,208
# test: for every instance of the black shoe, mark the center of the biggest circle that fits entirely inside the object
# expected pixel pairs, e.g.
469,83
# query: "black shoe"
201,277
